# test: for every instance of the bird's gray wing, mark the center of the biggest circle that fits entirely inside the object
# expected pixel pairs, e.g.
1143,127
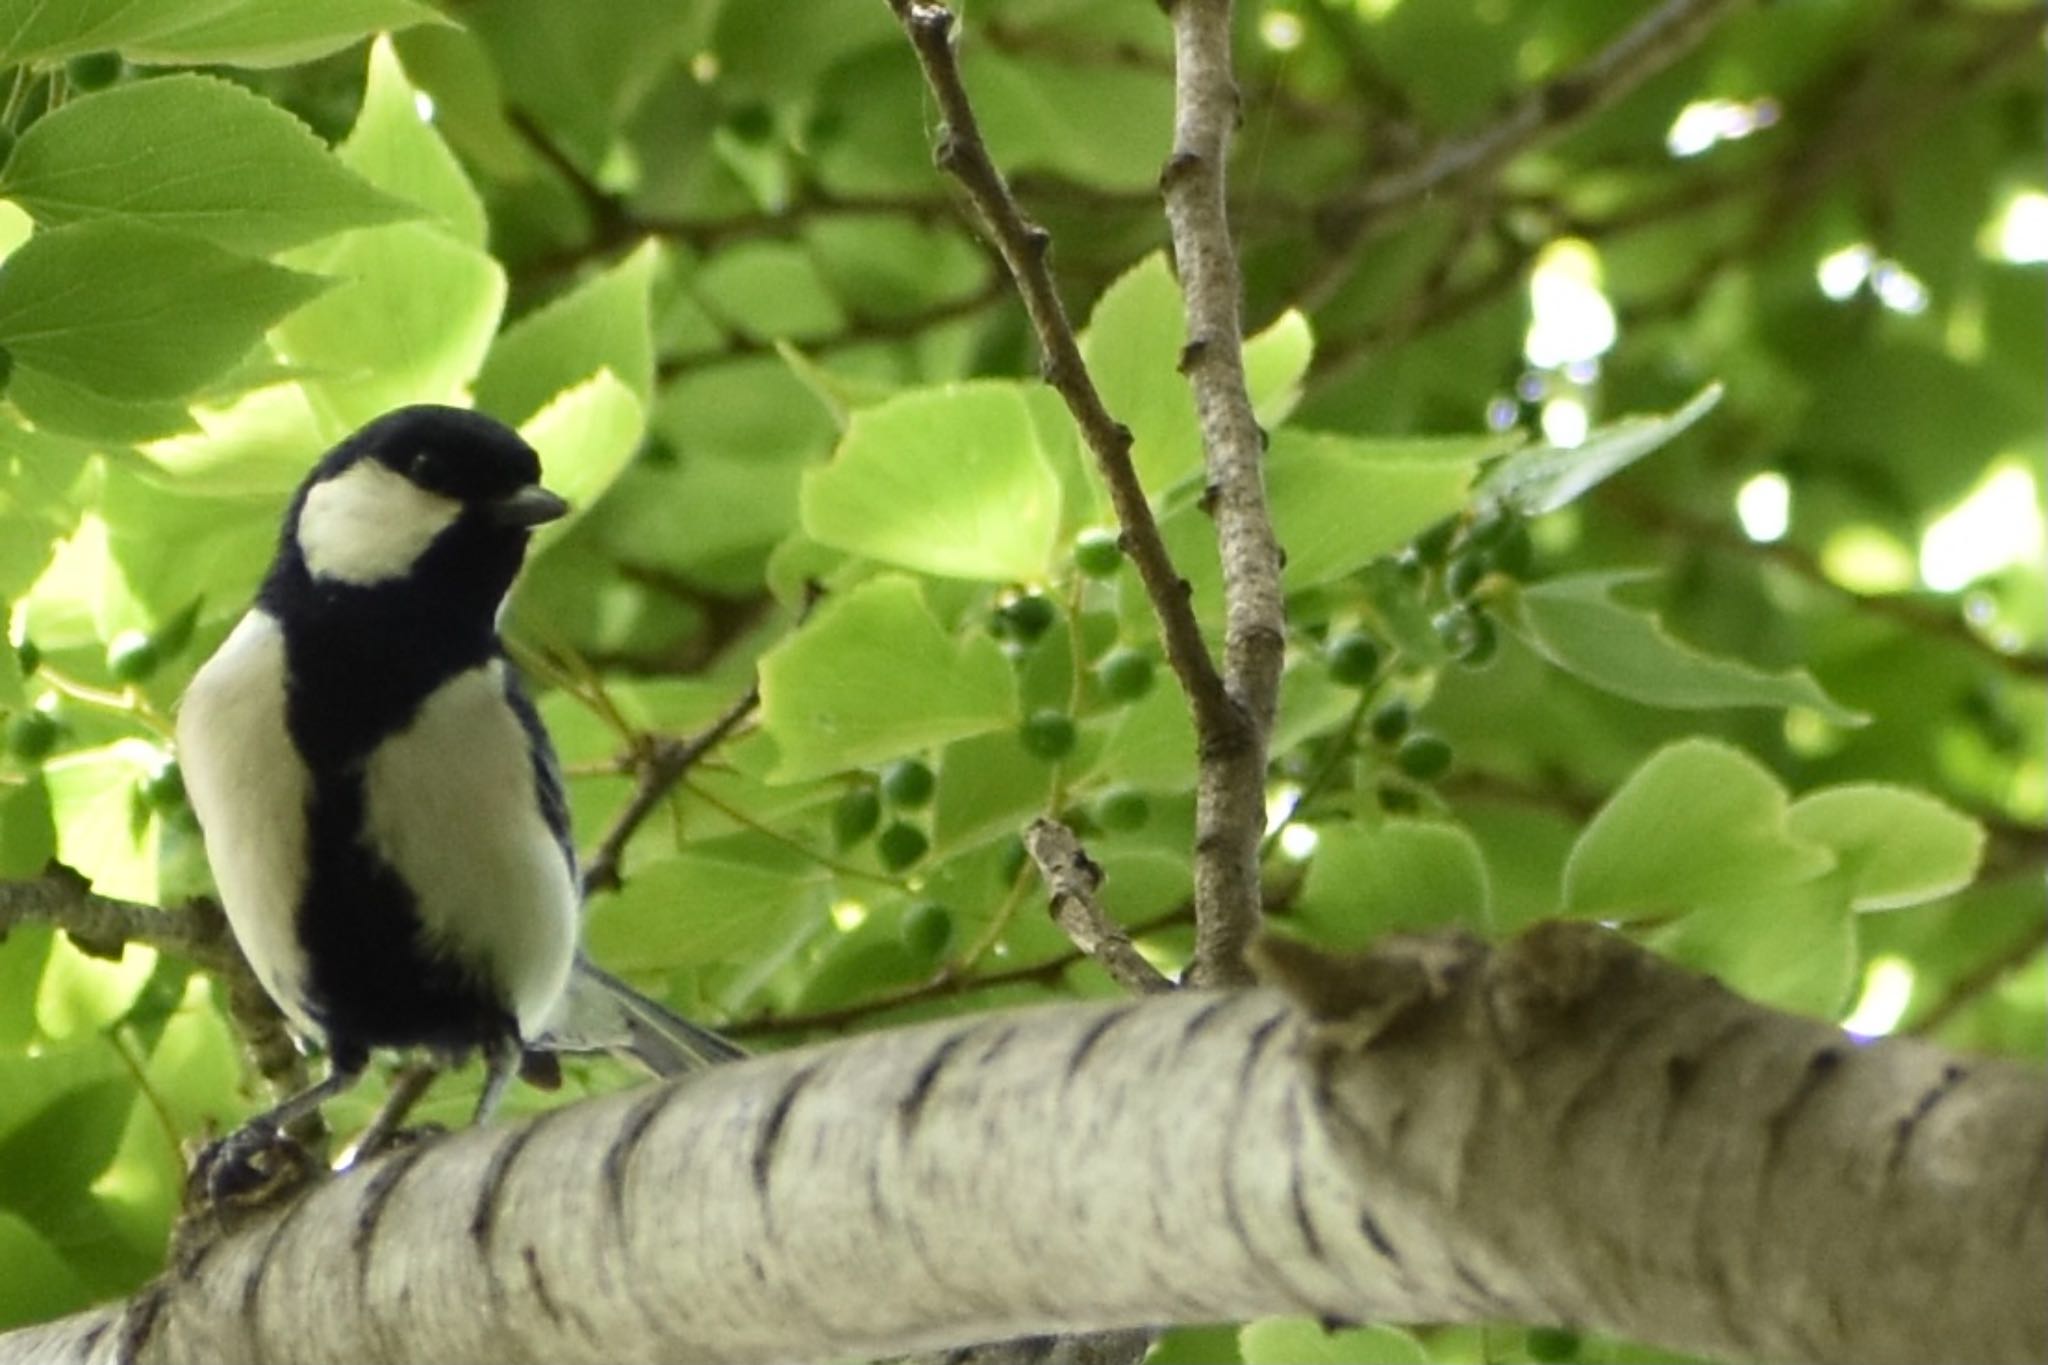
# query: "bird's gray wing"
600,1013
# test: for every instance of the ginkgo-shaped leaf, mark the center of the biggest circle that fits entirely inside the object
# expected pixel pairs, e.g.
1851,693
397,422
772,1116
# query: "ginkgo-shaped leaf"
949,481
873,676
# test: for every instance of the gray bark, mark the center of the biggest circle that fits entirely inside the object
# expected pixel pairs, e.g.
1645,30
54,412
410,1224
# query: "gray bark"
1562,1130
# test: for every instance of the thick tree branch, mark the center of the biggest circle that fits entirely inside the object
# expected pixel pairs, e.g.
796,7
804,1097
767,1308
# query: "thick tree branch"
1565,1130
1230,795
1026,249
1073,879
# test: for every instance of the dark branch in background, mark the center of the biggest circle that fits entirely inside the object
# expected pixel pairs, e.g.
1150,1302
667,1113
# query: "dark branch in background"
1917,614
1025,249
664,763
1073,878
101,926
1656,41
1230,795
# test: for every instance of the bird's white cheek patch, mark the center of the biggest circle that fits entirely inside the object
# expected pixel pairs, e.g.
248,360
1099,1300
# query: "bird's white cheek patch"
369,524
451,806
248,787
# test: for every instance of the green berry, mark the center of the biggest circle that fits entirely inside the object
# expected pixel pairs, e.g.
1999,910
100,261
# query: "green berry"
900,845
1457,628
164,789
1122,808
1424,756
1097,554
1397,800
1353,659
1048,735
1435,542
926,929
29,656
1028,617
94,70
855,815
31,735
1124,674
1552,1345
1391,721
1511,553
752,122
908,784
132,656
1464,573
1483,643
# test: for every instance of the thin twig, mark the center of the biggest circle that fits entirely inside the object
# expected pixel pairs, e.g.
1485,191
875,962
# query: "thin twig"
1025,249
665,763
1230,795
1652,44
1973,984
102,926
1073,879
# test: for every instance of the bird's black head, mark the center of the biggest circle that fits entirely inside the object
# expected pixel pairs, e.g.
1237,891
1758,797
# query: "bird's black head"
432,505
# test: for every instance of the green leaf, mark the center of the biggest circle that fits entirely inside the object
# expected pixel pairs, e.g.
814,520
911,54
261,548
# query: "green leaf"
28,838
35,30
585,439
1699,823
102,830
57,405
1574,624
1275,362
872,676
1792,947
705,906
1899,847
195,154
1402,875
266,33
1339,502
399,152
133,312
949,481
1132,346
1303,1341
38,1282
1544,478
601,324
410,324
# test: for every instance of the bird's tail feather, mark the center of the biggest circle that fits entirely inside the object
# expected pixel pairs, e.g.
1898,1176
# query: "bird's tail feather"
601,1013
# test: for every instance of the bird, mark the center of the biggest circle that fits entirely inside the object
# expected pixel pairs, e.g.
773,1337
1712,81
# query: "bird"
381,806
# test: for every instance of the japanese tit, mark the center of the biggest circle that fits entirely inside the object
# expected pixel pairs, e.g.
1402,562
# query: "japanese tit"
381,807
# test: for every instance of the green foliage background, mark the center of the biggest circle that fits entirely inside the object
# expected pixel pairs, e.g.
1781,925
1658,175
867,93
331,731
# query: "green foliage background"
698,252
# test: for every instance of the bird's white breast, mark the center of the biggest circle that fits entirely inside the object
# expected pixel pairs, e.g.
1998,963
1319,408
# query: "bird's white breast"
249,788
450,804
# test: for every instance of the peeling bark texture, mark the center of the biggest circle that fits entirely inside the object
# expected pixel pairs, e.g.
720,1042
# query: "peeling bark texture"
1563,1130
1230,795
1072,878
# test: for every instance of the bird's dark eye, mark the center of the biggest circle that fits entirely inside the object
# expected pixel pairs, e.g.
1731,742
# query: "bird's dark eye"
423,468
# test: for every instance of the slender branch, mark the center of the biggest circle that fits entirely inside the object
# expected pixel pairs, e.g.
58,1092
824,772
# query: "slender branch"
103,926
665,763
1073,879
1230,797
1026,249
1655,42
1972,984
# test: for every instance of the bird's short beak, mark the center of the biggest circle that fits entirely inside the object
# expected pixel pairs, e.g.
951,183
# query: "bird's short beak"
530,506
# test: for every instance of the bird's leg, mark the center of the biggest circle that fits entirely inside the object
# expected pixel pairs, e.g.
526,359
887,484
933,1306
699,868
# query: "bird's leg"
248,1165
407,1086
501,1060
